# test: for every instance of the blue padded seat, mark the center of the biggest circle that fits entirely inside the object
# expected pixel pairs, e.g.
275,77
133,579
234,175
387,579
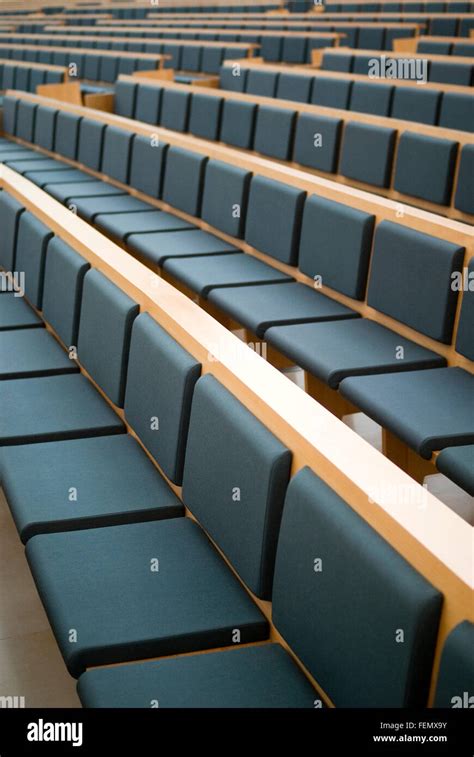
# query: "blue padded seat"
148,104
335,246
457,111
331,351
317,140
362,64
425,167
463,49
294,87
295,49
10,212
274,218
330,623
124,98
457,463
32,242
156,248
121,226
238,123
175,110
166,619
261,83
25,124
251,473
331,93
90,206
45,127
274,132
184,180
464,198
147,165
91,138
271,48
91,67
15,313
451,73
67,135
116,153
465,335
434,48
62,294
456,672
107,316
212,58
160,388
205,116
361,141
233,78
10,112
258,308
202,274
70,192
191,58
29,353
35,161
43,178
17,153
114,480
401,260
53,408
371,98
409,405
337,62
255,677
416,104
108,68
225,197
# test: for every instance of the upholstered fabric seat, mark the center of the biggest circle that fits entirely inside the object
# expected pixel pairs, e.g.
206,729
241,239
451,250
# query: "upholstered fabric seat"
255,677
15,313
123,225
258,308
456,672
457,463
48,177
32,352
201,274
113,480
89,206
158,247
37,162
70,191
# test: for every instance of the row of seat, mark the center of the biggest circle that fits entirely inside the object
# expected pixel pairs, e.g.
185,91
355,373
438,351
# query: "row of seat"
438,71
416,165
446,48
27,78
452,110
368,363
91,65
122,542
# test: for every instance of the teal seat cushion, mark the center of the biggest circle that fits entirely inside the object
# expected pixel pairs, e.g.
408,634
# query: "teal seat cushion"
201,274
102,481
116,153
65,192
90,207
183,180
15,313
183,595
225,197
159,394
17,152
345,600
10,213
333,351
121,226
258,308
425,167
455,686
465,335
28,353
53,408
43,178
36,161
239,500
429,410
457,463
147,165
155,248
107,316
32,242
255,677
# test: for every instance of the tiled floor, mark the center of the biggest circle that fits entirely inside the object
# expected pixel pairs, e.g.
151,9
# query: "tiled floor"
30,663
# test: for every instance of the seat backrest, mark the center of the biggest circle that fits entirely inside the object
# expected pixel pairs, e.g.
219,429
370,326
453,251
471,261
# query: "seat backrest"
67,134
274,218
105,327
456,671
361,140
239,499
367,97
159,393
32,241
124,98
464,199
331,93
205,116
451,73
184,180
416,104
116,153
62,294
148,104
465,335
10,110
335,246
91,139
225,197
175,110
147,165
263,83
425,167
274,132
457,111
45,127
10,212
25,124
294,87
337,62
421,267
233,78
317,140
238,123
362,620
